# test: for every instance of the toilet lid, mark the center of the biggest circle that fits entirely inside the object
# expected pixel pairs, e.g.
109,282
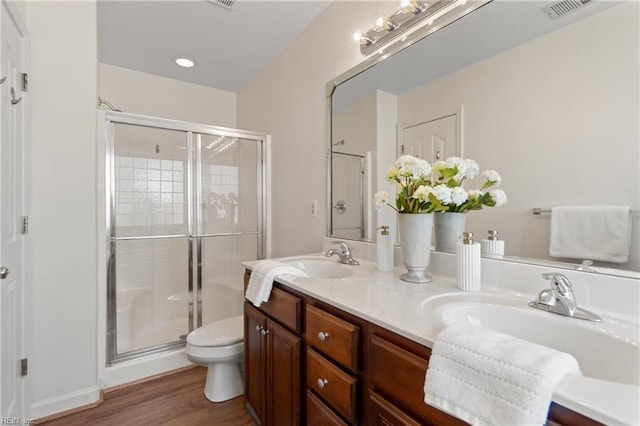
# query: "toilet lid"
218,333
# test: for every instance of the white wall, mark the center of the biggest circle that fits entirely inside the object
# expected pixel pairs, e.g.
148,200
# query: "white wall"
287,100
142,93
63,230
591,154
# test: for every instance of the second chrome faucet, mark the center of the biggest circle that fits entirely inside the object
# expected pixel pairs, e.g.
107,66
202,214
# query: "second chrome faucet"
559,299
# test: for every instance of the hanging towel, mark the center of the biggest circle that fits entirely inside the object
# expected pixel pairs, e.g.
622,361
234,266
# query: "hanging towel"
591,233
262,276
489,378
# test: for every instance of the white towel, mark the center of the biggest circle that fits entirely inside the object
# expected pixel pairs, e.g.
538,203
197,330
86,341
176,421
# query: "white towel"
489,378
262,275
591,233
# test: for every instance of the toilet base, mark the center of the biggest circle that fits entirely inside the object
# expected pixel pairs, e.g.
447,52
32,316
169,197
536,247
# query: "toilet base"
224,381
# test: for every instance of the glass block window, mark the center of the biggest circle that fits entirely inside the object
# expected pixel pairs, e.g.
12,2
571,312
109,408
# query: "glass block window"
149,191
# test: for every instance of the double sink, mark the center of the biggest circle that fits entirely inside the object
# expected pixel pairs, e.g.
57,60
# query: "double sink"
608,350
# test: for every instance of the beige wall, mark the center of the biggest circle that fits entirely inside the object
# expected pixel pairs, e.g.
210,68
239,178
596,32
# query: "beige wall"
287,100
541,115
63,230
142,93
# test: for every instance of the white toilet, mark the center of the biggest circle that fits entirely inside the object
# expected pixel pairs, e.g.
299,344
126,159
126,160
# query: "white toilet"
220,346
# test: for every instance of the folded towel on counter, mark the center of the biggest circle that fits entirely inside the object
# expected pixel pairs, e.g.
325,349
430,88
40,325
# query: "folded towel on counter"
262,275
591,233
489,378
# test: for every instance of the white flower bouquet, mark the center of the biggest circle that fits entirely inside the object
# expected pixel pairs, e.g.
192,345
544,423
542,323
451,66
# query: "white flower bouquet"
452,172
417,194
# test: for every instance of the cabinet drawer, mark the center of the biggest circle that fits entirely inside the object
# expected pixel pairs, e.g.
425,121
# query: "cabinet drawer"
404,382
319,414
333,336
385,413
335,386
284,307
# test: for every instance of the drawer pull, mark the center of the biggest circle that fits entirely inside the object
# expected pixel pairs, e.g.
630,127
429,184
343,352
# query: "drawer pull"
323,335
322,383
265,332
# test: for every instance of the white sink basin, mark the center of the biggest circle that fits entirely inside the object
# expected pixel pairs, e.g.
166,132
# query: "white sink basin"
607,351
320,267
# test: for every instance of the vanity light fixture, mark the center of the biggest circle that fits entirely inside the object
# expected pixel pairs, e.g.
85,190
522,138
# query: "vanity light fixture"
184,62
410,16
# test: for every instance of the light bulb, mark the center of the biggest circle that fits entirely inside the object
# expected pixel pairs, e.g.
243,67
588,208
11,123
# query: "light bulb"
379,21
357,36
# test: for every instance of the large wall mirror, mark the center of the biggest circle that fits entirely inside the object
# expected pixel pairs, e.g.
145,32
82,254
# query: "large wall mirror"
551,104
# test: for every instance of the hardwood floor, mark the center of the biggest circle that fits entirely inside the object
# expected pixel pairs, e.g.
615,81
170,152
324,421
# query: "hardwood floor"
176,399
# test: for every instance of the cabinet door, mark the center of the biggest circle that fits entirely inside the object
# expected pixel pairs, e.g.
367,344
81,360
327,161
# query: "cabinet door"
283,372
254,362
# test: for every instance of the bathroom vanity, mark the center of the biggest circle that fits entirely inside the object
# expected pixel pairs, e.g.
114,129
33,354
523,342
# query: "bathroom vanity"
340,351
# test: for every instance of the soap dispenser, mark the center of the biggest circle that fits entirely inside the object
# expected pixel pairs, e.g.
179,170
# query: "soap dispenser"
468,263
492,247
385,250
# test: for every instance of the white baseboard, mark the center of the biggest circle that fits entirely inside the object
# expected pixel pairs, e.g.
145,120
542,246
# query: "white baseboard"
69,401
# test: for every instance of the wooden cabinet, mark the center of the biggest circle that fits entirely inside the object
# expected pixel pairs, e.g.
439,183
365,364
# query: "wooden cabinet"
346,371
273,350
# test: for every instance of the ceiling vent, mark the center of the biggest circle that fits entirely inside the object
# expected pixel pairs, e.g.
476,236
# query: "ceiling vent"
227,4
556,10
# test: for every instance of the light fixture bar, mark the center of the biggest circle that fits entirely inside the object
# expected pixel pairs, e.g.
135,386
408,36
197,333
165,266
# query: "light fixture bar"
406,21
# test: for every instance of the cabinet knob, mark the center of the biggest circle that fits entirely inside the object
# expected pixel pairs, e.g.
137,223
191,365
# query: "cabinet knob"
258,328
323,335
322,383
265,332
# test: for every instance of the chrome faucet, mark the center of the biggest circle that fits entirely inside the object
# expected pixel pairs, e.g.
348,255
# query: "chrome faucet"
344,256
559,299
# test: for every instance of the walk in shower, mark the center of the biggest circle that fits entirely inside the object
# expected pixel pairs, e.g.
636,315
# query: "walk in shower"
185,207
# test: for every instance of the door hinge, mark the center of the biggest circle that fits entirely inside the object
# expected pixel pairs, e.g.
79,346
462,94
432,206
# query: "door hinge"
25,82
24,367
25,224
402,149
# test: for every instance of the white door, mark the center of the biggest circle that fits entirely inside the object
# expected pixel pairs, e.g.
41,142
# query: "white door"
12,208
431,140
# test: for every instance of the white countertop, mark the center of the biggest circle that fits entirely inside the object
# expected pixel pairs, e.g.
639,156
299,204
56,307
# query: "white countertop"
383,299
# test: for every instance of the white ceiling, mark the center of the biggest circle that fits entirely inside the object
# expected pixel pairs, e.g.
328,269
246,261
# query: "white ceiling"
228,46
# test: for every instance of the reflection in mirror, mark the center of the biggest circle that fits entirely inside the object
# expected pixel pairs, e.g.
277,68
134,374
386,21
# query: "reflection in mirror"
553,105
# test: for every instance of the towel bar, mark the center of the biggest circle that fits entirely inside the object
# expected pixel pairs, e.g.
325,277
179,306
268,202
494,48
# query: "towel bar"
538,210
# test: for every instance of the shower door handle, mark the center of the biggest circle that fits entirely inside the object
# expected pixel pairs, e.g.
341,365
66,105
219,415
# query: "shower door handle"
4,272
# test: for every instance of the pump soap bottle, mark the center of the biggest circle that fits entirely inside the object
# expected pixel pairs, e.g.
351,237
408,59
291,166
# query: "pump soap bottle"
492,247
468,263
385,250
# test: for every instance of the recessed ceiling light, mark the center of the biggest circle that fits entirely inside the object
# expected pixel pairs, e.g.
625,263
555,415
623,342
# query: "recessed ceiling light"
184,62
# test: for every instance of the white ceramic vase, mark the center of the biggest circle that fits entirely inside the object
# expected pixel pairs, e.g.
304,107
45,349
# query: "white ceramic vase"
415,241
448,228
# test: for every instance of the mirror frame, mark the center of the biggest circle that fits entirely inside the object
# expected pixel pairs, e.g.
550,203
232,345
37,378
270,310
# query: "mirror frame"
414,35
387,52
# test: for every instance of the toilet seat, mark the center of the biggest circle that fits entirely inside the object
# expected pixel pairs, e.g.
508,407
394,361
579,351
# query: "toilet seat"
225,332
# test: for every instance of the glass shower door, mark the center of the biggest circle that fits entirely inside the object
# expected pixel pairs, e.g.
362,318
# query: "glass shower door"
150,239
229,193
